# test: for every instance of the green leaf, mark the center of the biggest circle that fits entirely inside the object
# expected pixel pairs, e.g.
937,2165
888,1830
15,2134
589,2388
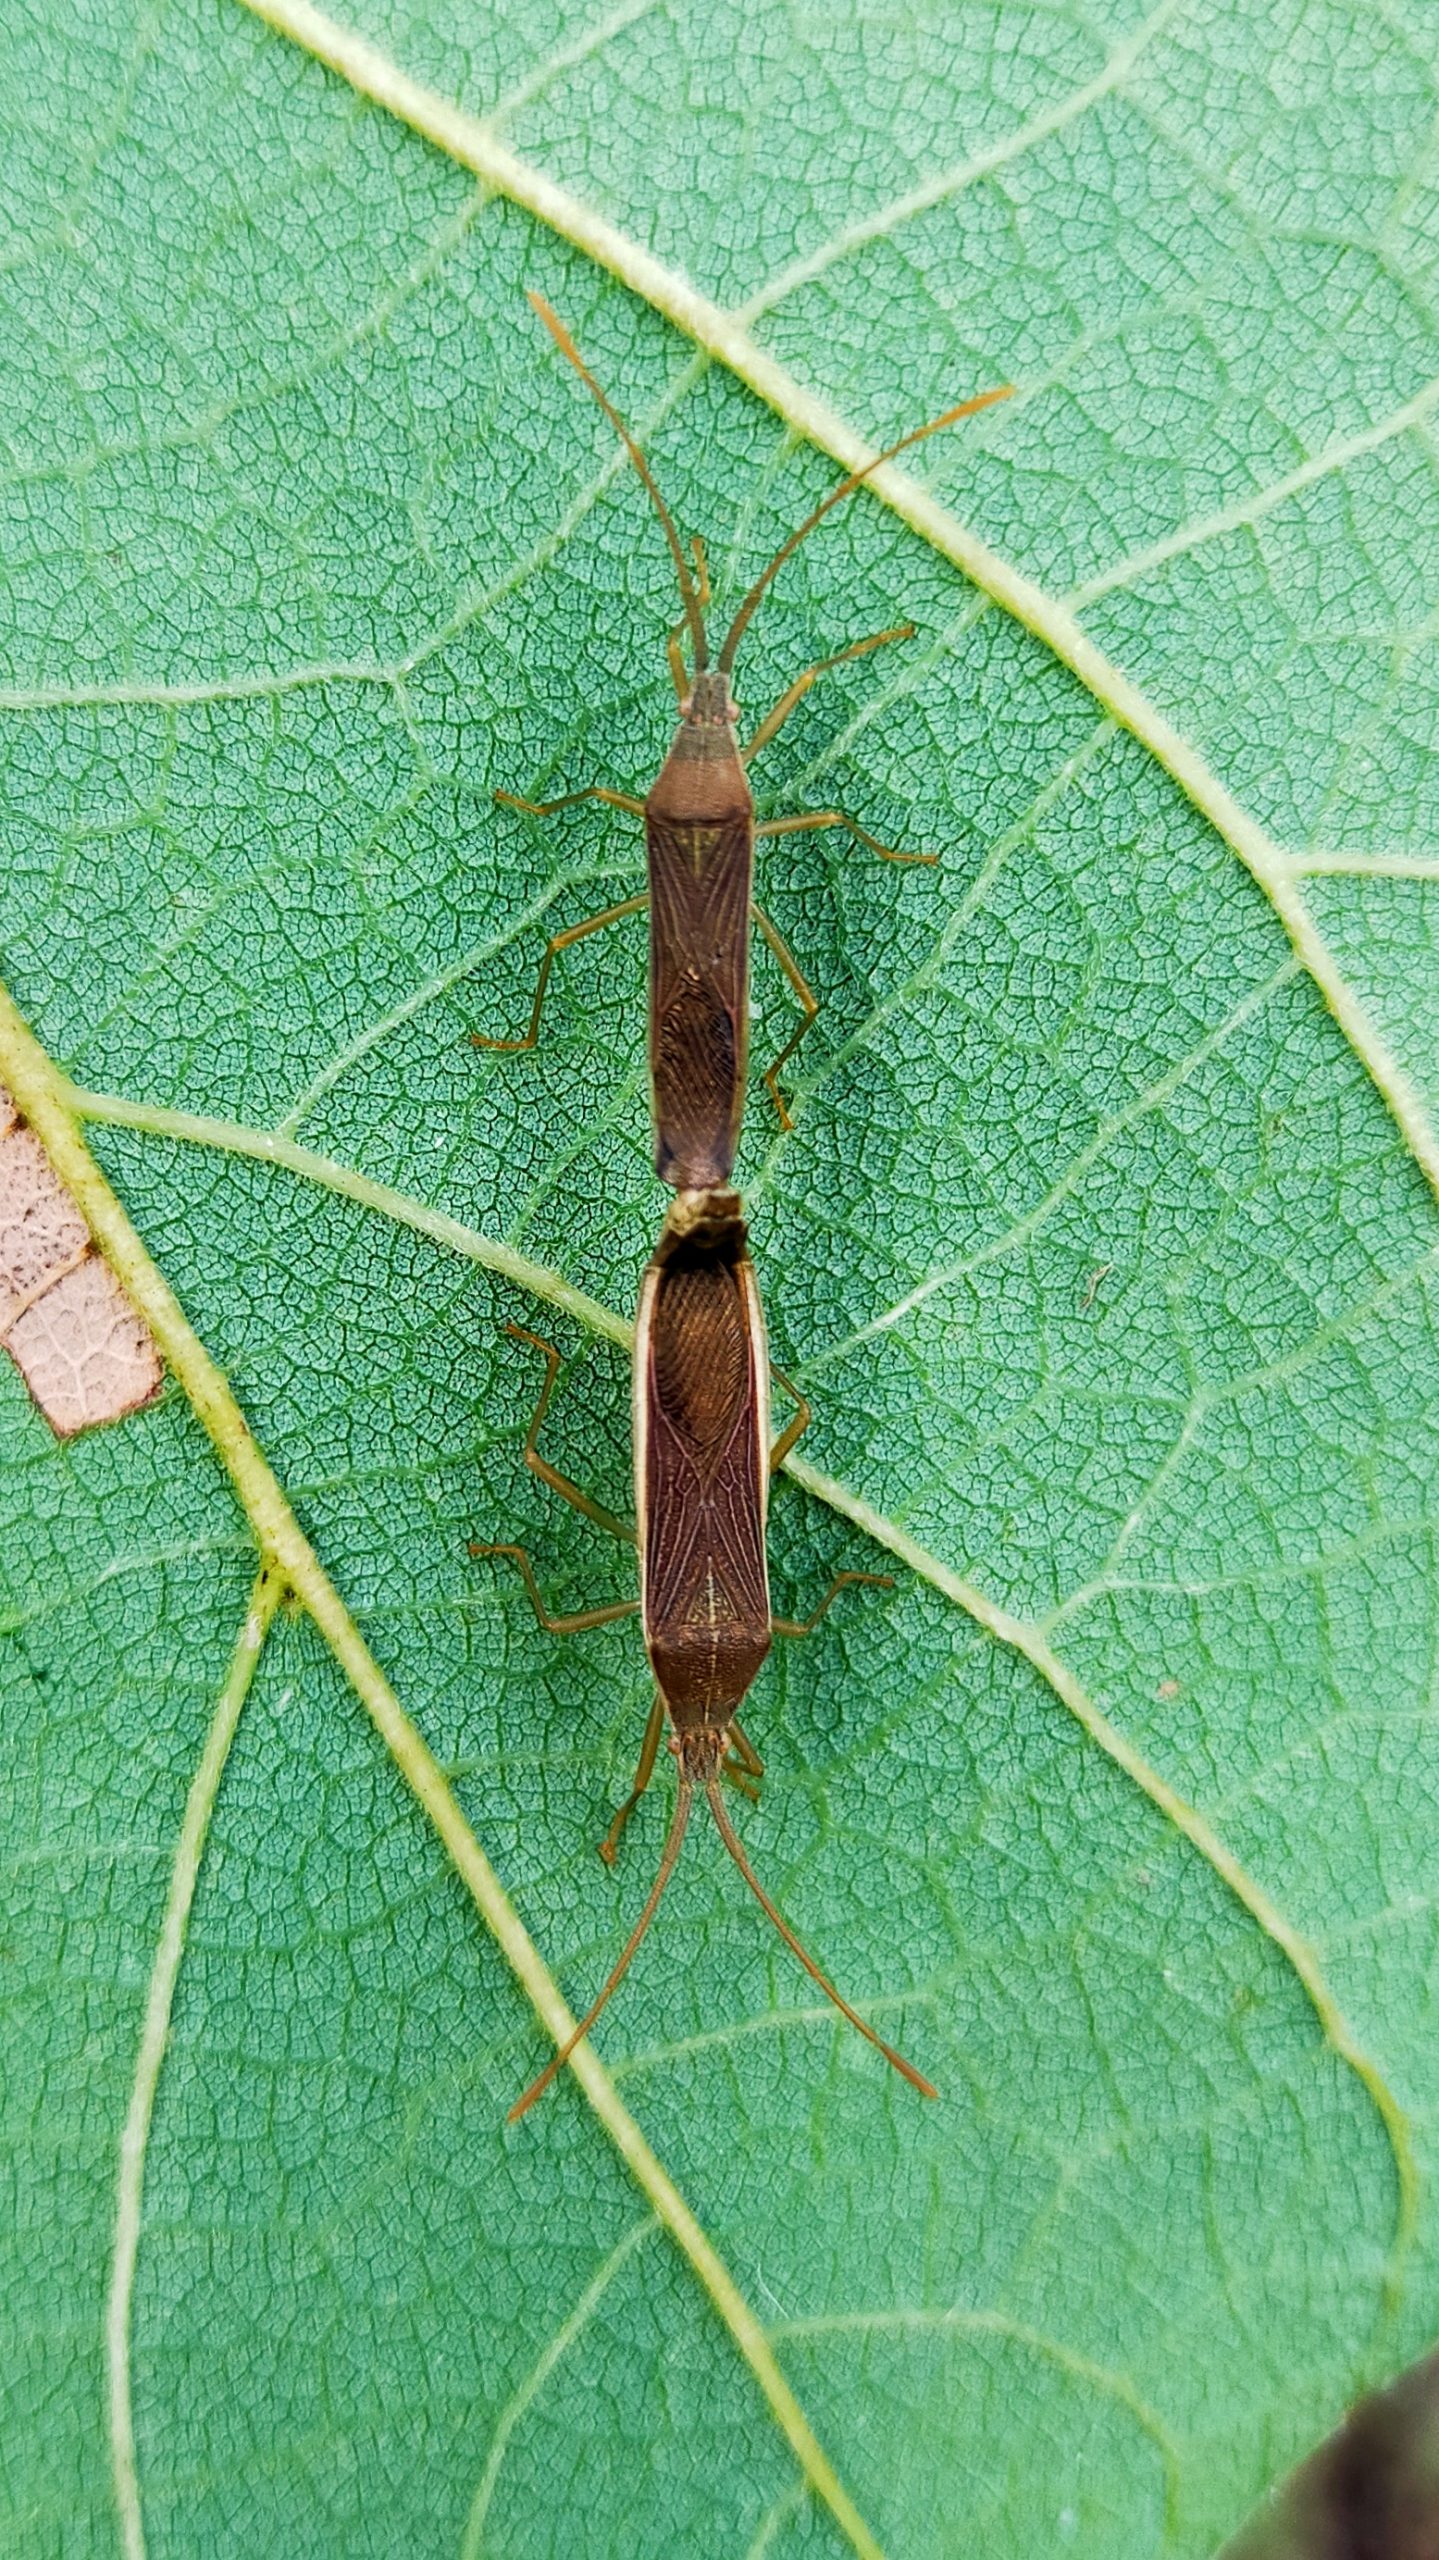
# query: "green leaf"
1104,1245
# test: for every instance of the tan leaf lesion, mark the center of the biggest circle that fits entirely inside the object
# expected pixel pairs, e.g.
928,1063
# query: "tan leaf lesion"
82,1350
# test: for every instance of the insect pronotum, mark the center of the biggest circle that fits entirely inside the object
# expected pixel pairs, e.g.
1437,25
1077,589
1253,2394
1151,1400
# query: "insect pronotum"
702,1470
700,833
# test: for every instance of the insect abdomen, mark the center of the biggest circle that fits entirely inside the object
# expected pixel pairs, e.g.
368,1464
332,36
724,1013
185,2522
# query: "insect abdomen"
700,879
702,1464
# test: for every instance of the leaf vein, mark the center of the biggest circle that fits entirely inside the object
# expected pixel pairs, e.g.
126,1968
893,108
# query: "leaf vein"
999,2324
1015,1633
1030,1641
945,184
723,334
43,1097
1259,503
154,2036
472,2542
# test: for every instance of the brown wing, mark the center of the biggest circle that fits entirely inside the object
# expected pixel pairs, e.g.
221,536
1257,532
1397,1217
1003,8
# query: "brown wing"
702,1464
701,878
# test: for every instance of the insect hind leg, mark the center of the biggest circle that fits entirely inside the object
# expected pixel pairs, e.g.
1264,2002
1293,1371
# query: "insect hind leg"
806,1626
742,1764
578,1620
609,1846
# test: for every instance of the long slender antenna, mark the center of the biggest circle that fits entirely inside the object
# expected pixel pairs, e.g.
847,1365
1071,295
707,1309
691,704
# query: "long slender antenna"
966,409
688,592
538,2087
732,1842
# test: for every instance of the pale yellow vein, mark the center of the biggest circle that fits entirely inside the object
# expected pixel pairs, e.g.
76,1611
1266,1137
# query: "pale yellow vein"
723,334
1016,1633
473,2543
269,1146
1339,865
1303,1961
1259,503
202,426
154,2036
1139,1107
790,2502
580,48
1012,839
439,983
946,184
998,2324
40,1094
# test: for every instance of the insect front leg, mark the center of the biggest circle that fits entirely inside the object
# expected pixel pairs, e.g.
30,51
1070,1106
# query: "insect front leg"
572,799
837,818
794,694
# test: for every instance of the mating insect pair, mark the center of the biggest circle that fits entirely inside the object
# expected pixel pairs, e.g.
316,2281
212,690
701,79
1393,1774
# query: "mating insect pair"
701,1377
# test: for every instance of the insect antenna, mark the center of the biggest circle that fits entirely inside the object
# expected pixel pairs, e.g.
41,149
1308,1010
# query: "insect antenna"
966,409
666,1869
689,593
732,1842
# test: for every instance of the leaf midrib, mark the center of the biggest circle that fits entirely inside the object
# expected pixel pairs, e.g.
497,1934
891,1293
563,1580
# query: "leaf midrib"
1027,1638
44,1098
725,336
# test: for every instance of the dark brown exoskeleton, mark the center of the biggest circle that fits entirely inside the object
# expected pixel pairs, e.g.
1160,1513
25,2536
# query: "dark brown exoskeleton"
702,1469
700,833
699,837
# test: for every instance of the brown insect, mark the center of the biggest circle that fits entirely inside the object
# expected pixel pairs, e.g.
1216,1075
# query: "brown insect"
702,1469
700,833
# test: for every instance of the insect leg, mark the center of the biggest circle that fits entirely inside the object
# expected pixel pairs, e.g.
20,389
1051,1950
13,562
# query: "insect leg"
745,1752
576,1623
579,1620
742,1764
644,1772
806,1626
571,800
794,1430
807,997
837,818
541,1467
560,942
774,721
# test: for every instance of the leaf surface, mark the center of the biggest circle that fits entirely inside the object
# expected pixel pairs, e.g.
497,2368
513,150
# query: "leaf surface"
1104,1250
